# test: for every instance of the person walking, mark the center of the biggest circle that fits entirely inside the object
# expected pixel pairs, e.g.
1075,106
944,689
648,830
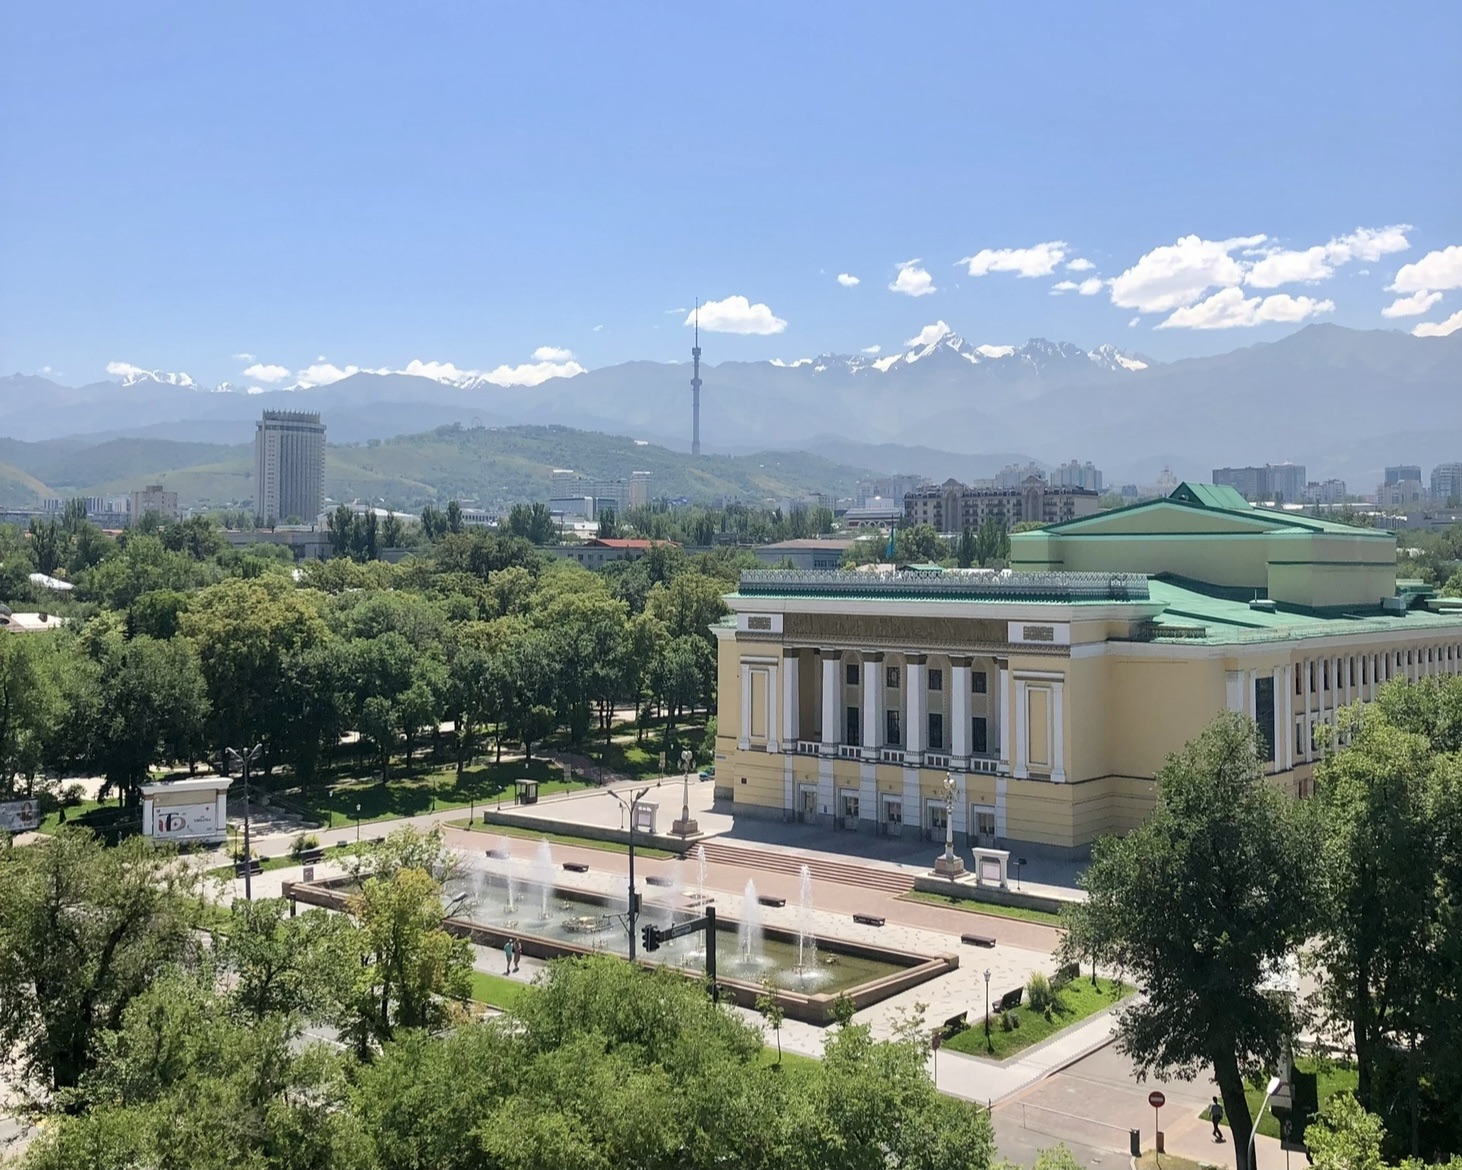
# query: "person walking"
517,954
1215,1115
508,957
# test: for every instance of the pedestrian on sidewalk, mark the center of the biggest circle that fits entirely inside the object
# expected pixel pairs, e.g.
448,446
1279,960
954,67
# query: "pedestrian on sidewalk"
508,956
1215,1115
517,954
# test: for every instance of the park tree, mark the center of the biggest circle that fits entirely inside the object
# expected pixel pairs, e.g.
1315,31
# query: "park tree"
917,543
393,531
533,522
968,549
84,930
197,536
47,545
1203,902
454,517
283,964
29,706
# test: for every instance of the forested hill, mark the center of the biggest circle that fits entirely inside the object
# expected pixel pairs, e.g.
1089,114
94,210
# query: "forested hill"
492,465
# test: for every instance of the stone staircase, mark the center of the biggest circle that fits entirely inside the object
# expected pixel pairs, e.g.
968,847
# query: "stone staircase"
823,867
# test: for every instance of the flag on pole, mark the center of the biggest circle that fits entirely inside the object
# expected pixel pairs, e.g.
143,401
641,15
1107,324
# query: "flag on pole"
889,552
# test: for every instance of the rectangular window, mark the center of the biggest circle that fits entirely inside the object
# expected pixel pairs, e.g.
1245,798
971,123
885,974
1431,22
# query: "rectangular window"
891,677
936,679
978,743
851,738
1299,680
850,674
984,823
1325,675
1365,671
980,681
1299,737
936,731
891,729
1264,714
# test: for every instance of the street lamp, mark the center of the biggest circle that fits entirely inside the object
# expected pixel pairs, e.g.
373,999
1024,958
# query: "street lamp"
949,865
1274,1086
988,1046
357,824
244,759
634,909
685,826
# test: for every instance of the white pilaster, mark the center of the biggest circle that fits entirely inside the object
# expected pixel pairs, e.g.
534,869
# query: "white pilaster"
913,803
791,699
743,741
1058,733
868,793
914,710
959,712
995,735
831,706
773,743
872,705
1284,732
1022,739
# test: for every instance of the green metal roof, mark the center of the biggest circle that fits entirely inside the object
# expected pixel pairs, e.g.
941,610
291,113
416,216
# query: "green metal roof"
1210,495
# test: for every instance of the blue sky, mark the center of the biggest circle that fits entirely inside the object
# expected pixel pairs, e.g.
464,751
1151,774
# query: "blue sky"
333,184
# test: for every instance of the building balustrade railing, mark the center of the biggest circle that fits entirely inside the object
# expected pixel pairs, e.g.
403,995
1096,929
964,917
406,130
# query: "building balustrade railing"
892,755
935,760
807,747
848,751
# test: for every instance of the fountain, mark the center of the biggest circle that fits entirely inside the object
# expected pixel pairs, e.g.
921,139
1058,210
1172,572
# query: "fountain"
749,929
700,875
806,937
543,876
510,870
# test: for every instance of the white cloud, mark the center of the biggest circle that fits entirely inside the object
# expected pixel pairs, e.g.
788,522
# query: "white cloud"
912,280
243,357
598,329
532,373
872,348
1080,264
130,373
1413,306
1227,309
1132,324
552,353
672,312
995,351
1439,328
1037,260
1441,269
1064,286
928,335
1369,244
847,280
1283,267
438,371
267,373
737,315
792,365
1178,274
1091,286
124,369
323,373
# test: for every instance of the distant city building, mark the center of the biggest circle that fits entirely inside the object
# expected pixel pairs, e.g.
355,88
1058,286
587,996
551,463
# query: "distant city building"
571,506
811,553
1332,491
1279,482
289,462
953,506
1446,482
876,512
1404,493
153,498
599,551
1395,475
639,489
1082,475
606,494
1013,475
888,487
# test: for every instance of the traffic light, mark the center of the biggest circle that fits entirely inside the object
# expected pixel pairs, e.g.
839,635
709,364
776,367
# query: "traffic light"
650,935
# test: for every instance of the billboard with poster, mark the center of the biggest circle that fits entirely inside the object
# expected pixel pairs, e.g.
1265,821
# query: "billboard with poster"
20,816
185,822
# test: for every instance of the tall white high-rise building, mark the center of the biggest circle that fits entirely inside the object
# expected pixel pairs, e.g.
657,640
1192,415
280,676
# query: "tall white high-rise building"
289,467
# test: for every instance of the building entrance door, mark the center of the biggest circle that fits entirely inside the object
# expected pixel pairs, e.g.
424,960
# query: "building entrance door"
893,816
982,826
938,818
848,810
807,805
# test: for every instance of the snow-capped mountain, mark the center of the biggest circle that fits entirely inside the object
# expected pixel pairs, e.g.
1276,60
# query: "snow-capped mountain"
940,344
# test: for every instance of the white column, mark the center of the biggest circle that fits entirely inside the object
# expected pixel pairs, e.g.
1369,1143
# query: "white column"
774,744
959,713
791,699
1058,733
743,742
222,813
831,704
1022,769
1002,692
872,705
1284,751
1311,685
147,825
914,709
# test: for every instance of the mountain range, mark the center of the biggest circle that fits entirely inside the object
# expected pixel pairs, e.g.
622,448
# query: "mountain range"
1344,402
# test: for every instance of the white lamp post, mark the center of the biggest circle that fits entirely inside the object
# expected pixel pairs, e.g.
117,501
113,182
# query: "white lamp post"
949,865
685,826
1270,1090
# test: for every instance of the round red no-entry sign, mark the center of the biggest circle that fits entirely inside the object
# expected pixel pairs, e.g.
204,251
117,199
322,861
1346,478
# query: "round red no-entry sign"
1156,1099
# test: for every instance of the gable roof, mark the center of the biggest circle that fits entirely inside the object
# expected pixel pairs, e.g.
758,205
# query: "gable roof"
1210,495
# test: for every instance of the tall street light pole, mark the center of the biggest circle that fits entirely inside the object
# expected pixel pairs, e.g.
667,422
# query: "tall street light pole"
685,826
244,759
987,1010
634,898
1273,1087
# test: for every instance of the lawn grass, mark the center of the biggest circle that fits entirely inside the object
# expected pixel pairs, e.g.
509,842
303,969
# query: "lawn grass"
976,906
1330,1078
1152,1160
497,991
1079,1001
794,1061
564,839
266,864
334,807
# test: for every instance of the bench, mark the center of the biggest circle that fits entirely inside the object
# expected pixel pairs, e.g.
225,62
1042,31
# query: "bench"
1066,973
378,840
657,880
770,900
311,856
1011,1000
955,1025
576,866
254,867
978,940
868,919
499,854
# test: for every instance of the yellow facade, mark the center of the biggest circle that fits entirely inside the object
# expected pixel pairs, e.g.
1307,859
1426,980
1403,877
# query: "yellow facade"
1054,697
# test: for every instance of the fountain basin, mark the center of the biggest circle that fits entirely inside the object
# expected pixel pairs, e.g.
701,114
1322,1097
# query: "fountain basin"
865,972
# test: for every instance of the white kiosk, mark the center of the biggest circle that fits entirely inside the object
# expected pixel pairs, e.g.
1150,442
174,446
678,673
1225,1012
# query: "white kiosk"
186,810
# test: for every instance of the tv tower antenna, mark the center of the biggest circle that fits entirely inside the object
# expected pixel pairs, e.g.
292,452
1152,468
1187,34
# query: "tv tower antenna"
695,385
